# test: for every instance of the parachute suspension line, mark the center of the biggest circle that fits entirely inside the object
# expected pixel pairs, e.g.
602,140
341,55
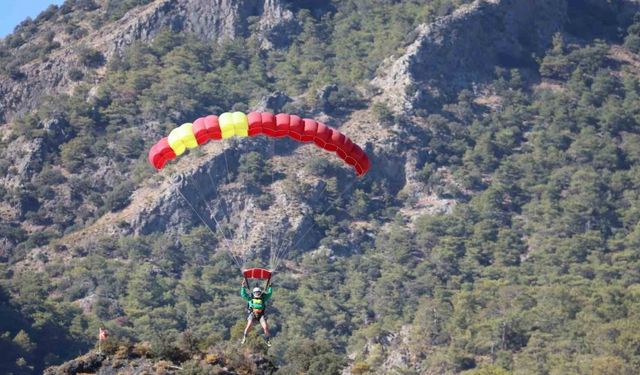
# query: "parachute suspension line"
272,251
281,250
226,162
210,210
275,249
271,146
229,252
218,226
238,260
244,234
286,249
273,153
242,259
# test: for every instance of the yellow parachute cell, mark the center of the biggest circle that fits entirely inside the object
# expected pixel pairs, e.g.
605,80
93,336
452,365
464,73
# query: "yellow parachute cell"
182,138
235,123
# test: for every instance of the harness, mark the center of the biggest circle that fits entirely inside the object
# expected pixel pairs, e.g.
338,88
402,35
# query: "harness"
257,313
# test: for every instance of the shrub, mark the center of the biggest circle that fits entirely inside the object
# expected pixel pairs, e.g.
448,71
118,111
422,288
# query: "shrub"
119,197
13,70
75,74
264,201
51,177
253,170
75,153
632,42
383,113
90,57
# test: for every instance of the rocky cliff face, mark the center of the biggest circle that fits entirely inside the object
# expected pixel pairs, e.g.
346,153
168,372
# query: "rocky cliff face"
205,197
212,20
126,363
462,49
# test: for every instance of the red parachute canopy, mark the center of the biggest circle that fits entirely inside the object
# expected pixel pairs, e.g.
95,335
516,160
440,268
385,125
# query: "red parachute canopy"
226,125
256,273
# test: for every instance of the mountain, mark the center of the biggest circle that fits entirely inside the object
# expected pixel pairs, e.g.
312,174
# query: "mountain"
496,232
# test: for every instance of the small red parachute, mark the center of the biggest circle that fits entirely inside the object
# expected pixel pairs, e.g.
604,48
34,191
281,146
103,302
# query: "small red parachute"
256,273
191,135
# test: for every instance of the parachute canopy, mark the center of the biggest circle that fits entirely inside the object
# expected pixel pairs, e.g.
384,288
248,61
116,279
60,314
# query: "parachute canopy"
256,273
229,124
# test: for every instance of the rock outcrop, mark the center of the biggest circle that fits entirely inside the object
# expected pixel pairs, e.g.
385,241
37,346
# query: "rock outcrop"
462,49
211,20
126,362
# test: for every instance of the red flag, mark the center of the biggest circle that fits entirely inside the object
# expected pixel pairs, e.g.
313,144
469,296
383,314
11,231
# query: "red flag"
104,334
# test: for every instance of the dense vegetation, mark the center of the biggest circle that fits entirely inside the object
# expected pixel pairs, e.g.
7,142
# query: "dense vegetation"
534,272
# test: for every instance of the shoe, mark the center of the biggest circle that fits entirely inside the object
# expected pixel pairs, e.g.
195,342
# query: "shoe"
244,338
268,342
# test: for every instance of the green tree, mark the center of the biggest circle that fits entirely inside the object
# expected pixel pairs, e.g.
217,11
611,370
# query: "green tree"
253,170
119,197
23,340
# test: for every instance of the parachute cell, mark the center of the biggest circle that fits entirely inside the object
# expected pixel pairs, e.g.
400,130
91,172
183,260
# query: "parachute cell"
255,124
337,139
296,127
200,131
282,125
182,138
310,129
188,136
161,153
344,149
207,128
323,135
256,273
235,123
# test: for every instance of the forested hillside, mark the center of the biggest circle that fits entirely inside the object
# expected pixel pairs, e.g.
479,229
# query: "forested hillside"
497,231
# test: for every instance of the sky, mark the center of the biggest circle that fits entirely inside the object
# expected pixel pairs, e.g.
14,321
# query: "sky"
12,12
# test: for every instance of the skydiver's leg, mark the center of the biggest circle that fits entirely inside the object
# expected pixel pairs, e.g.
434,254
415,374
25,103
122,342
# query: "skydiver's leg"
265,326
248,327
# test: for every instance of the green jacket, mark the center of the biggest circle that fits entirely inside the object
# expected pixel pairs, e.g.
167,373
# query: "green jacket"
256,303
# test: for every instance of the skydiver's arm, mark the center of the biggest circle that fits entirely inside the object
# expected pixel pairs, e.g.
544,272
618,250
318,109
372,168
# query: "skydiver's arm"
267,294
244,294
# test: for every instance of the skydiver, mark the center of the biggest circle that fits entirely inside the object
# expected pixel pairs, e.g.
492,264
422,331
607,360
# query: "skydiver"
256,306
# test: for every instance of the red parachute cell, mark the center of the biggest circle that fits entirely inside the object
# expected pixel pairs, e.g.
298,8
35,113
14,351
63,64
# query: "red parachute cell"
323,135
355,155
310,129
296,127
261,123
344,149
364,164
269,124
206,128
337,139
213,127
255,123
161,153
256,273
282,125
200,131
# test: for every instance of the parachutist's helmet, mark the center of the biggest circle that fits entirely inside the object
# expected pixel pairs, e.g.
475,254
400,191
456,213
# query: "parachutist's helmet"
257,292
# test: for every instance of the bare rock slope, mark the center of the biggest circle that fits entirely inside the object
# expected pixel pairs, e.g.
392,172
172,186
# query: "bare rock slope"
213,20
463,48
